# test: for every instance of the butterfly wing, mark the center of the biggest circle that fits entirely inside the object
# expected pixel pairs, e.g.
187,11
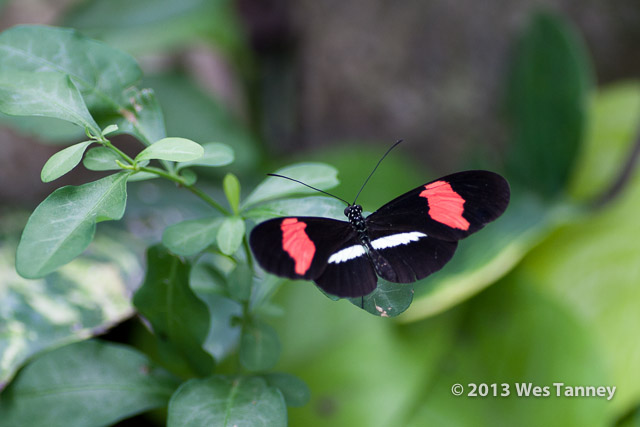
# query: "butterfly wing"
298,247
417,232
349,271
449,208
407,256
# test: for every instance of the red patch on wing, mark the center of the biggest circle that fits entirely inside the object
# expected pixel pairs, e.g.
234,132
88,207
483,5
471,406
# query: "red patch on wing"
297,244
445,205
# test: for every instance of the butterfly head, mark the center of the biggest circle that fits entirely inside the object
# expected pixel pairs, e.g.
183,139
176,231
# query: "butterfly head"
354,214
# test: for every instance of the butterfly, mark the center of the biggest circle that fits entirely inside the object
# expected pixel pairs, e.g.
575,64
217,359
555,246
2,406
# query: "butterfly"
406,240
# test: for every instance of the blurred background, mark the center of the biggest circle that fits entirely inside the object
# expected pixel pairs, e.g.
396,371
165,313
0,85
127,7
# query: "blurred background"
545,92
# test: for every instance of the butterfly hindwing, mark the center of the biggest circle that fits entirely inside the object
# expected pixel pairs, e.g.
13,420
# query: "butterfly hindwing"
411,255
298,247
349,271
449,208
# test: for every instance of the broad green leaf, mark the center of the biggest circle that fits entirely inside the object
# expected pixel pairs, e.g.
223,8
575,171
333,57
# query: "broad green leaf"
47,130
180,320
259,346
63,225
293,389
63,161
189,237
49,94
318,175
549,90
101,159
387,300
304,206
590,268
230,235
231,187
64,306
215,154
227,402
614,120
172,149
91,383
101,73
538,340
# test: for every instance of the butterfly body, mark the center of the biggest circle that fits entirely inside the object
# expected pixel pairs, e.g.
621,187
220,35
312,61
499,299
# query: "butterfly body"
405,240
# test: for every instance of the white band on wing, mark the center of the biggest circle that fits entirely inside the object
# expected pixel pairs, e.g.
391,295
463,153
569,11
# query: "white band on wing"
347,254
397,239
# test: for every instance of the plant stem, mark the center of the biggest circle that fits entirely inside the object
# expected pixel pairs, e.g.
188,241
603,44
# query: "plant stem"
180,181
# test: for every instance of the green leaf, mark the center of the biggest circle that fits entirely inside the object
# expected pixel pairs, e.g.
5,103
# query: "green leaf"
141,117
387,300
231,187
48,94
550,85
180,320
101,159
226,402
304,206
539,341
614,120
89,383
63,225
109,129
189,176
172,149
259,346
64,306
63,161
190,237
294,390
215,154
318,175
101,73
224,333
230,235
590,268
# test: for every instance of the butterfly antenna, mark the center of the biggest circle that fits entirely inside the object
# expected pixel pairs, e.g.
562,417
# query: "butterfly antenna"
374,169
307,185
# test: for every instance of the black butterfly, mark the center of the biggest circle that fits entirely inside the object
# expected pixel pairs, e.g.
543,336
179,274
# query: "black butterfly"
405,240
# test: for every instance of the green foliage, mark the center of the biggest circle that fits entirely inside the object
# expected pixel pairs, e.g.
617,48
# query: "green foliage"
218,326
549,90
172,149
91,383
180,320
63,161
65,222
227,401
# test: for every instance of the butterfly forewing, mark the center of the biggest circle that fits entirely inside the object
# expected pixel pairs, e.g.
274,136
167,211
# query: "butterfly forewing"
298,247
449,208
